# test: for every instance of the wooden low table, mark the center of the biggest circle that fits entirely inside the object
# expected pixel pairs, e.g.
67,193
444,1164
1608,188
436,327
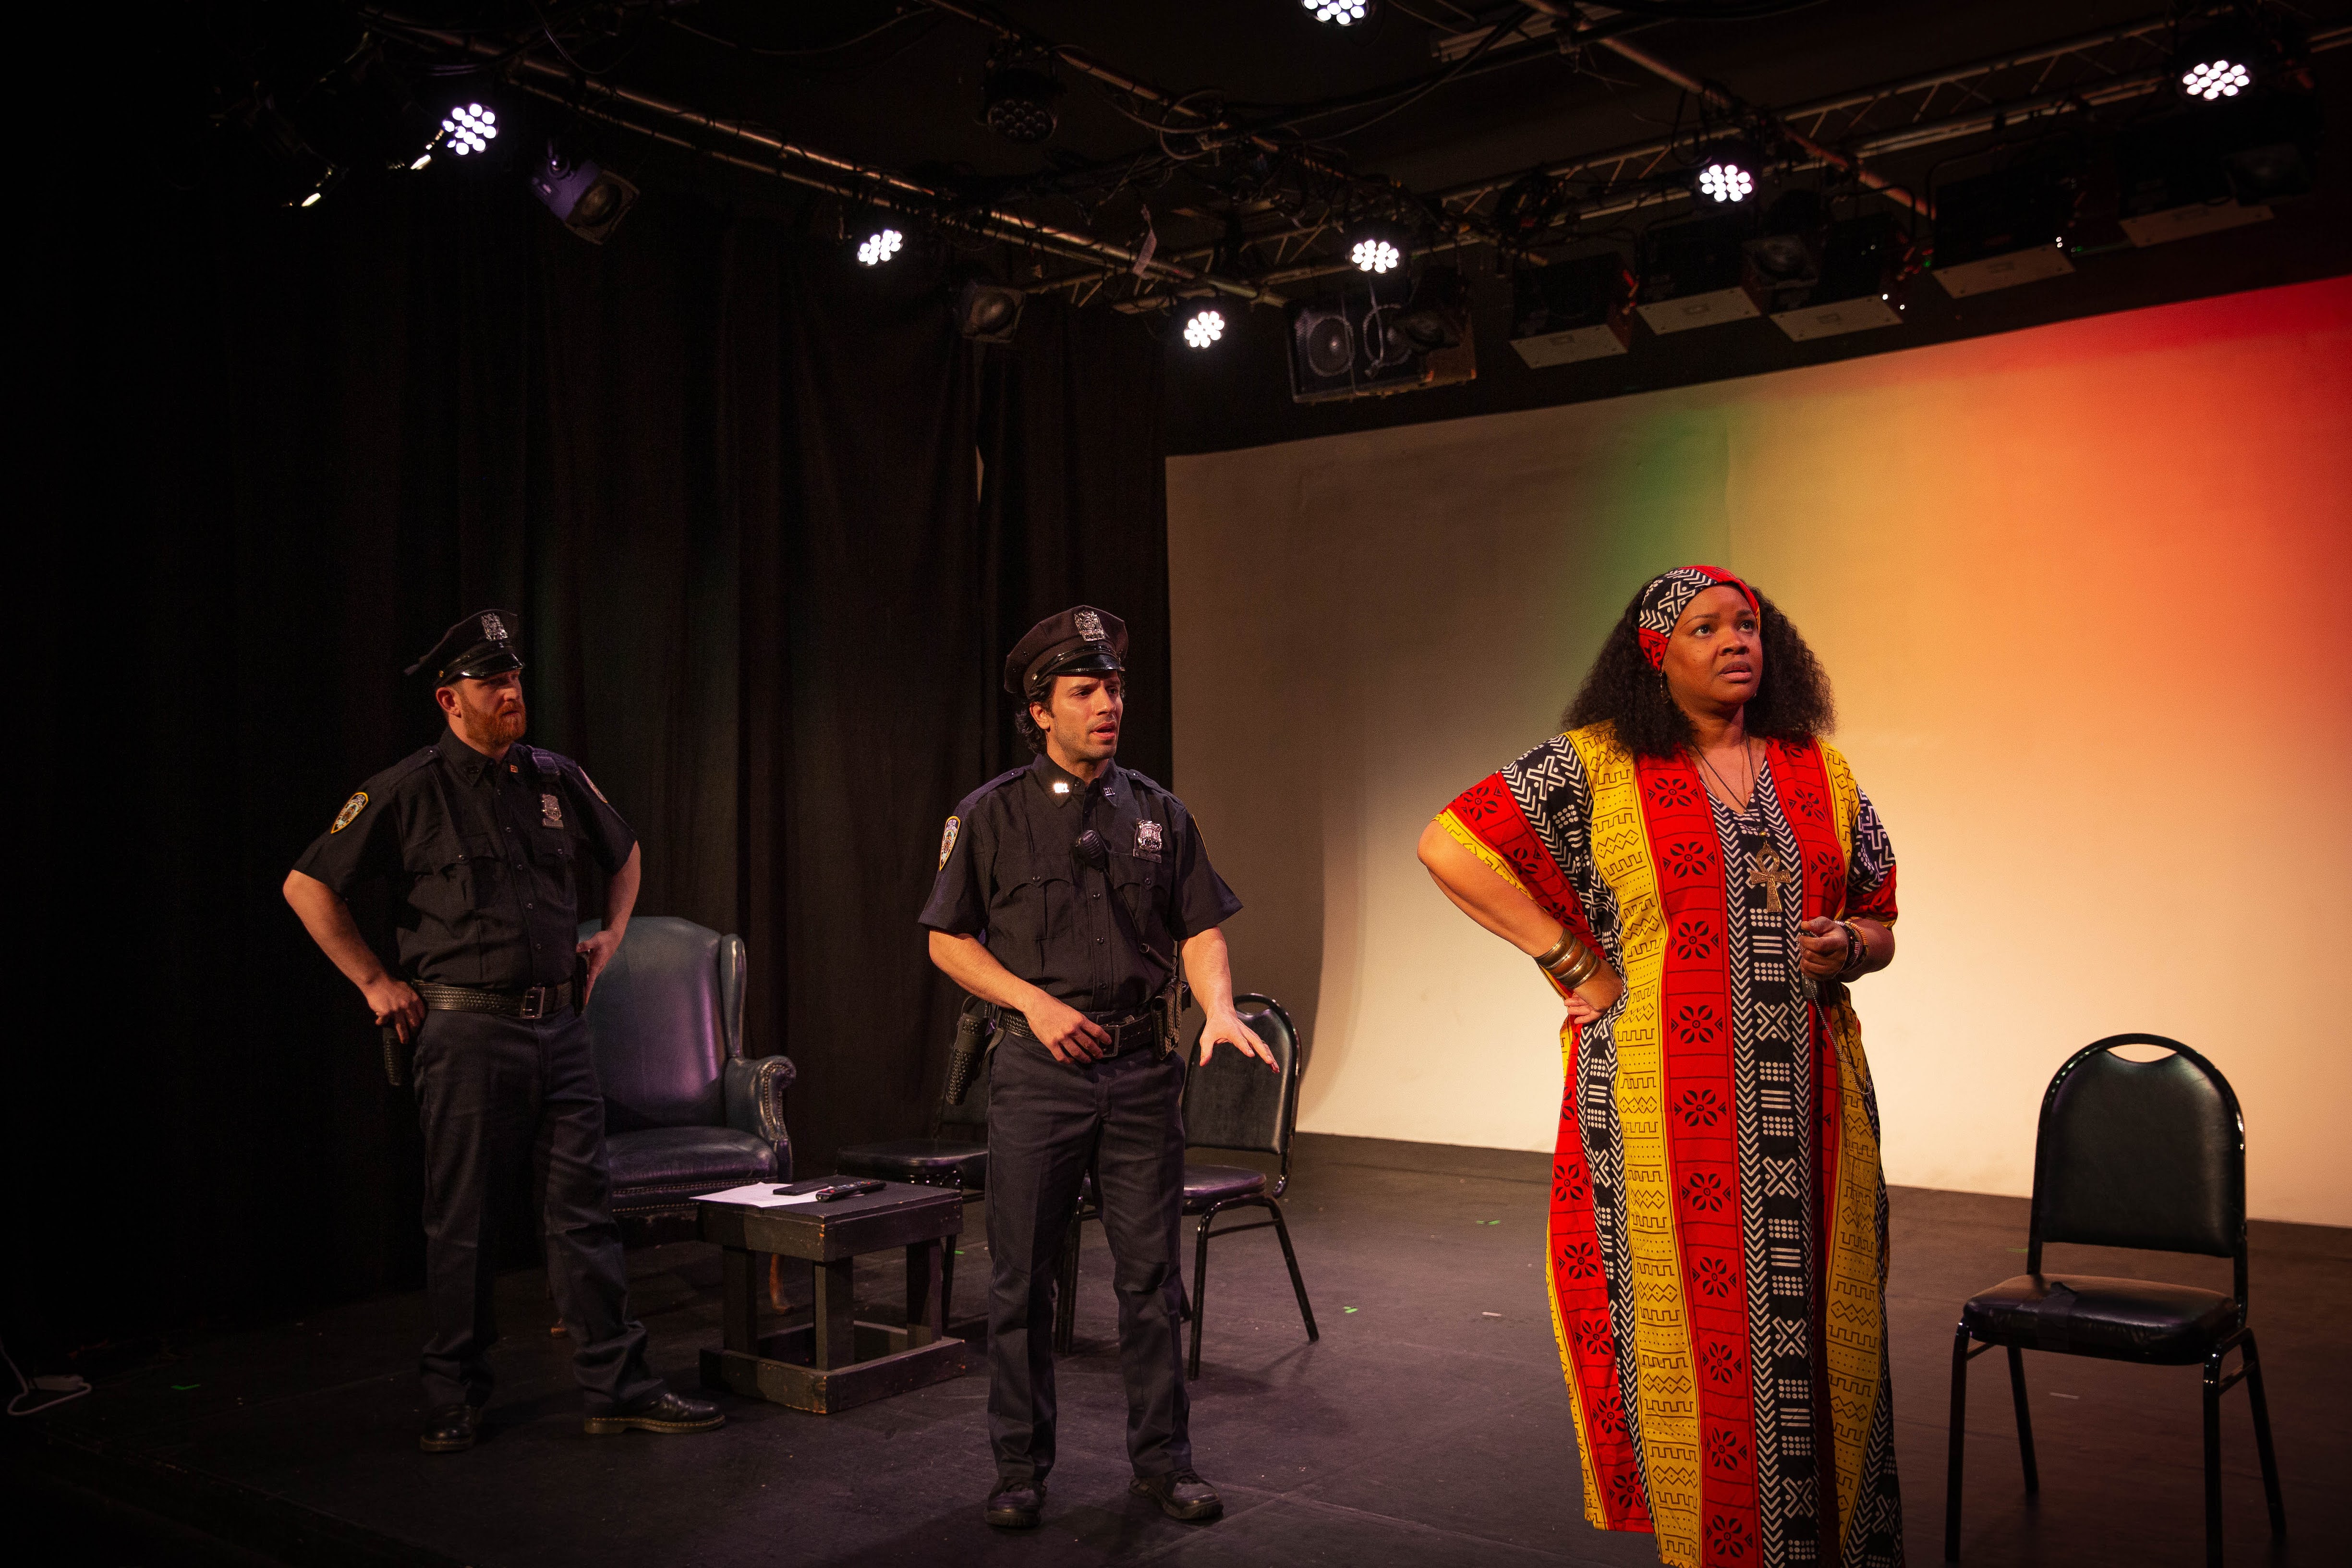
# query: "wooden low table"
834,1361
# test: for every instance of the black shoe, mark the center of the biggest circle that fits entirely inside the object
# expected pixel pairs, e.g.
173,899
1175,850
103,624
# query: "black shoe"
667,1412
450,1429
1015,1505
1181,1494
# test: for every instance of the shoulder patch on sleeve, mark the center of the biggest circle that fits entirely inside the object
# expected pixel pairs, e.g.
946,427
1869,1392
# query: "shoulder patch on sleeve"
591,787
947,838
351,812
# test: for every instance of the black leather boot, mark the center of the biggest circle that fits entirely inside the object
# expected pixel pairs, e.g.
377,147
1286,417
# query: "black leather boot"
667,1412
450,1429
1181,1494
1015,1505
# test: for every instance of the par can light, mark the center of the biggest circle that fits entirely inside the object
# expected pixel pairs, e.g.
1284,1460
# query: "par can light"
1375,256
1205,327
469,128
879,247
2210,79
1340,13
1724,180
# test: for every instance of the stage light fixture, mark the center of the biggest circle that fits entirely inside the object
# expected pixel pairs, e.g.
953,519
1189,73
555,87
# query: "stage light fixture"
988,311
879,247
1724,180
1205,327
588,200
2210,80
1375,255
469,128
1349,345
1694,273
1017,103
1572,311
2211,168
1860,266
1437,317
2010,226
1340,13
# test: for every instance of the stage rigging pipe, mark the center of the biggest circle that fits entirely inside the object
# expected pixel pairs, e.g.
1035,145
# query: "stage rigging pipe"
843,178
1724,100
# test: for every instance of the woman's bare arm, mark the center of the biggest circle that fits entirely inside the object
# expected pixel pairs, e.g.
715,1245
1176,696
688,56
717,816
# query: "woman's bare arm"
1510,914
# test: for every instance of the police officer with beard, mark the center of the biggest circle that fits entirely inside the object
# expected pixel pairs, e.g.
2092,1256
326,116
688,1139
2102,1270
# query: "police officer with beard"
482,840
1076,897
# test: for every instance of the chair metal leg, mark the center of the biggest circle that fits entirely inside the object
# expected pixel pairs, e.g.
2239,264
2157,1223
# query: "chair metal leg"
2252,1364
2213,1460
1200,1290
2024,1419
1957,1438
1297,1285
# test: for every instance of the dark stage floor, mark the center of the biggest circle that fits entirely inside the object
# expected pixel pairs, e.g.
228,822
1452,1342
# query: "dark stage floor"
1428,1428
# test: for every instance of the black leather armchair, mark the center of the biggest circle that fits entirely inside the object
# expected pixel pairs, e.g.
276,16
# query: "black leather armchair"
684,1112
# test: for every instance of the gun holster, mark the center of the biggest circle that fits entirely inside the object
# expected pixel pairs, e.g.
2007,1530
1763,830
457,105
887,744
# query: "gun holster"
399,1057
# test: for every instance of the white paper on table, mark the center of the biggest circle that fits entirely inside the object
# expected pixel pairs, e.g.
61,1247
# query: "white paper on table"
759,1195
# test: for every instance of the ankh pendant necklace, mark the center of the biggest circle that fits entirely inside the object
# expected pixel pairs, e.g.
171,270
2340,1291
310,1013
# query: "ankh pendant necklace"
1765,867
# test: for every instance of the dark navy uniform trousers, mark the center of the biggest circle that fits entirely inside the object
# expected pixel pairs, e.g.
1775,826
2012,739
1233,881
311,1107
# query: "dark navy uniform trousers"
1048,1124
502,1101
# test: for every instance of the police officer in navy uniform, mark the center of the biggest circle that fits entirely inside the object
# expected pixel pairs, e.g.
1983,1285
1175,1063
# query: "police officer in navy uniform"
1076,897
482,839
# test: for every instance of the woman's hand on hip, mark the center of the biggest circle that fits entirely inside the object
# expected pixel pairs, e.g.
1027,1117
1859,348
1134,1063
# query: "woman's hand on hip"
1594,997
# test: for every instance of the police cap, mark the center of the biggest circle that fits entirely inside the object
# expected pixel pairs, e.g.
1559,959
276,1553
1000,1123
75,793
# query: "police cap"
1079,641
480,645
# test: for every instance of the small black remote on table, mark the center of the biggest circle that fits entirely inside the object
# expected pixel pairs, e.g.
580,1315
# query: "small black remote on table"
829,1191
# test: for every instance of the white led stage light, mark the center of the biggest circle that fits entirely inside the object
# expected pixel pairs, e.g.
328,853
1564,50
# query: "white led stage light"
1724,180
1205,328
1375,256
1340,13
879,247
469,128
2215,78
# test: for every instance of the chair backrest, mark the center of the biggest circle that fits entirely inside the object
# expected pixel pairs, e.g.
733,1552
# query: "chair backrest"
1233,1102
667,1015
2144,1154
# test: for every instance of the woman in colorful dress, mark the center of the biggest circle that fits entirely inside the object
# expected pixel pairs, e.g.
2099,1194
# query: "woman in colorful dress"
1697,873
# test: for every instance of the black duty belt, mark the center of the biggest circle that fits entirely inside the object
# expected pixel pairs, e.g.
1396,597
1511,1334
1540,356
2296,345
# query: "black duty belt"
1130,1035
537,1002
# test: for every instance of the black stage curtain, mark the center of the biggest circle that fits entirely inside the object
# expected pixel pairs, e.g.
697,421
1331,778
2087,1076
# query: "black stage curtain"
734,485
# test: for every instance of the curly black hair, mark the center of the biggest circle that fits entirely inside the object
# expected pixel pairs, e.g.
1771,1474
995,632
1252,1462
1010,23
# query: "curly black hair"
1026,728
1791,703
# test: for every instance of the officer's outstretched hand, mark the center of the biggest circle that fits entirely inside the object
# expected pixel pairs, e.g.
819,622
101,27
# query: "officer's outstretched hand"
1227,1029
1061,1029
599,949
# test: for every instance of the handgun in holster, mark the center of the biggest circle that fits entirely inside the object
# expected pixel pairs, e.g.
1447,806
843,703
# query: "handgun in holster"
972,1026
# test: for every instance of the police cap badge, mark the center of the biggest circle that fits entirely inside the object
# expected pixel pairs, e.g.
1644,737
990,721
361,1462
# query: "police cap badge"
1081,640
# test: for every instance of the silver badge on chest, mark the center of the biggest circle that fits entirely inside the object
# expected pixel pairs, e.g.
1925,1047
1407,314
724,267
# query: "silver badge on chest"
550,810
1147,841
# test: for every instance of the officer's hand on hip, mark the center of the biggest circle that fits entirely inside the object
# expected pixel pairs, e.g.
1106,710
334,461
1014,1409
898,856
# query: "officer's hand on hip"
599,949
395,1004
1069,1034
1227,1029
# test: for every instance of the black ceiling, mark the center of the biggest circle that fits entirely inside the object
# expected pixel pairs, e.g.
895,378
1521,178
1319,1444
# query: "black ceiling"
896,86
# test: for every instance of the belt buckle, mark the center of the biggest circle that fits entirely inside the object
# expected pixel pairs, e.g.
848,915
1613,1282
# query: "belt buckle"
534,1002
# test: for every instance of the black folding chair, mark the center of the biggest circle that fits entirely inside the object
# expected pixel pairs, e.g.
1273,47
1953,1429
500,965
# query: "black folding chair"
1231,1103
955,1154
2149,1155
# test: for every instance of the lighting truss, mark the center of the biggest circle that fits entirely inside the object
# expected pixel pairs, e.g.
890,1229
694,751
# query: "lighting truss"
2089,71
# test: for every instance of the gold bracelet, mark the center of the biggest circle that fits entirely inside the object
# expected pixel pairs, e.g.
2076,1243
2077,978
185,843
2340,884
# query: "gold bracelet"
1569,961
1559,950
1576,974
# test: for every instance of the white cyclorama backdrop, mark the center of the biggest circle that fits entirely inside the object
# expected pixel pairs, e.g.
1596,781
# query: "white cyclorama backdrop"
2085,595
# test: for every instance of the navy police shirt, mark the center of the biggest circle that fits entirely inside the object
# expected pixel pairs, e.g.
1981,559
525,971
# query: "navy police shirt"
1010,874
483,857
